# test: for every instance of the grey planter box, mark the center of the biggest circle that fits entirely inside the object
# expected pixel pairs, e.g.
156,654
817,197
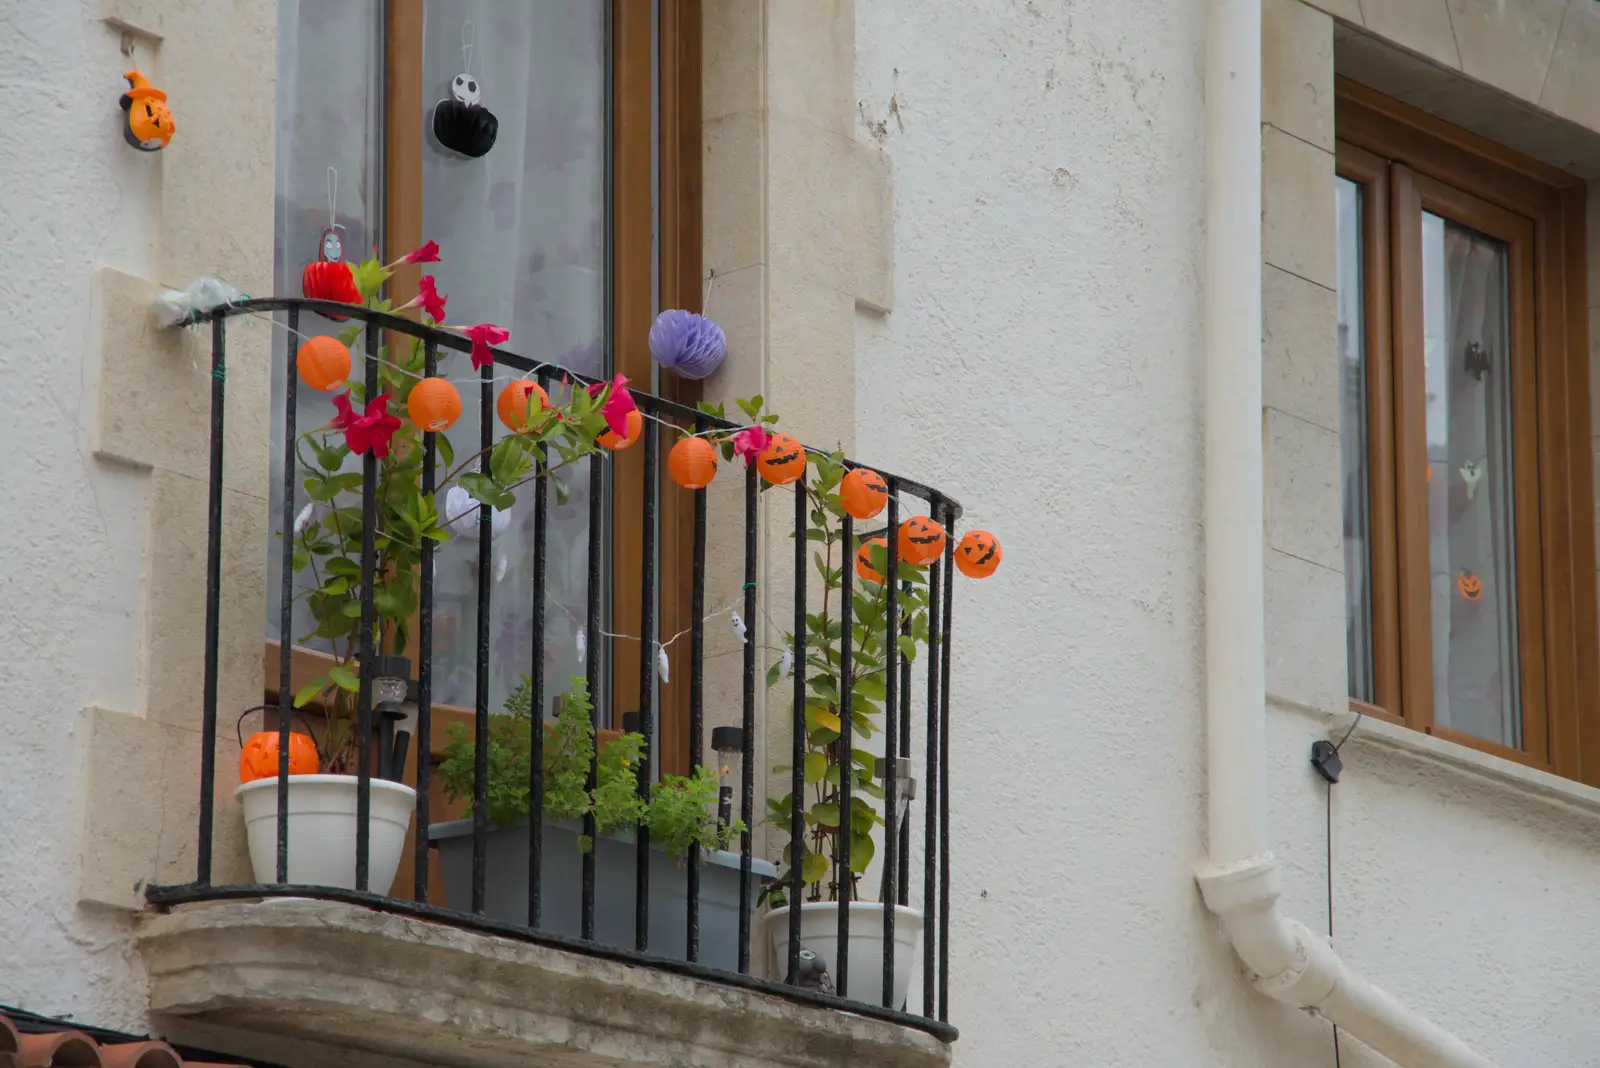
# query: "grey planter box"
561,888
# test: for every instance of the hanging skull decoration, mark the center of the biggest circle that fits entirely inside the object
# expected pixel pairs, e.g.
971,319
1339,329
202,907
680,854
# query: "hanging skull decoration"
461,123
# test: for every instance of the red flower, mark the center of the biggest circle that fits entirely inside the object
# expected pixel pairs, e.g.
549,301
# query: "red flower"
750,443
483,335
431,299
618,404
372,429
428,253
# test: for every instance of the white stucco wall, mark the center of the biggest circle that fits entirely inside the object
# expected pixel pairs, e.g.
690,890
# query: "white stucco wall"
75,198
1044,364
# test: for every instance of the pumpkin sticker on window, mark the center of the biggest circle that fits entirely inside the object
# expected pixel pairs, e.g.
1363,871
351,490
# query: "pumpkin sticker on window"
783,461
1469,585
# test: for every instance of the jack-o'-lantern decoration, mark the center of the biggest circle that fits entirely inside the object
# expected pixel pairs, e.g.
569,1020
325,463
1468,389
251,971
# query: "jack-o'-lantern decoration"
259,757
609,439
692,463
512,405
921,540
323,362
149,127
864,569
434,404
1469,585
783,461
978,554
863,493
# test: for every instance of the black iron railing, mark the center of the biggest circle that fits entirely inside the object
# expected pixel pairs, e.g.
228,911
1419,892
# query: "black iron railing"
895,854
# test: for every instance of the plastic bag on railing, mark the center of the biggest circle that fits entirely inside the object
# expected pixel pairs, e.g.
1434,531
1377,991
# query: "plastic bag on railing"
178,307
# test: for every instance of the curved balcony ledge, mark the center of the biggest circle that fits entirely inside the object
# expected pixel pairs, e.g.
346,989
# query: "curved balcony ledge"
358,978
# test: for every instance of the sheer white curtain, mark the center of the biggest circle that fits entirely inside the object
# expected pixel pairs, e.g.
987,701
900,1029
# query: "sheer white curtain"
521,231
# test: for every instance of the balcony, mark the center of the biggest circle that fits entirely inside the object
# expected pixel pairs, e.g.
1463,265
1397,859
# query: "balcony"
598,902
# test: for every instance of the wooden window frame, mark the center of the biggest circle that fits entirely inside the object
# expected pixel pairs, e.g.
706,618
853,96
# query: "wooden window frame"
1407,162
656,74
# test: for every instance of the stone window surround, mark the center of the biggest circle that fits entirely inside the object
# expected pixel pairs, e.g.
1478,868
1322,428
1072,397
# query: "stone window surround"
1510,71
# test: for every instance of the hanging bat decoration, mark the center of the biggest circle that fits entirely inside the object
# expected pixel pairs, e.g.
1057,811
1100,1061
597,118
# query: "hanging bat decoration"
461,123
1471,474
149,127
1477,360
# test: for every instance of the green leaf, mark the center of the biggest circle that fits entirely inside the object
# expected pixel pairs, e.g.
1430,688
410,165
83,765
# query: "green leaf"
774,673
861,851
824,814
814,868
369,276
816,767
447,452
336,587
309,692
908,646
343,677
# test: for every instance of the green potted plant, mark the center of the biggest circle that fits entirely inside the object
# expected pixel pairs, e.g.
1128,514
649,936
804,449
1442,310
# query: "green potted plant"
679,811
327,544
820,852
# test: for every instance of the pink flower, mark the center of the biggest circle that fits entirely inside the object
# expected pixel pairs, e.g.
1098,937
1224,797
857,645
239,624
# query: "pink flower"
619,402
750,443
428,253
431,299
370,430
483,335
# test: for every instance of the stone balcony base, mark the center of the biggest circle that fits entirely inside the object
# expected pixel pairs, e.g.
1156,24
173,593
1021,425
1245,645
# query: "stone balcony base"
353,978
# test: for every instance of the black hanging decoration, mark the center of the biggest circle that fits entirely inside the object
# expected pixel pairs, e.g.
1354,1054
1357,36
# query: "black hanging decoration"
461,123
1477,360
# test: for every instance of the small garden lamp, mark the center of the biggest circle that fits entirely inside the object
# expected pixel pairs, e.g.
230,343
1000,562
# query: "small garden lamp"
391,686
728,744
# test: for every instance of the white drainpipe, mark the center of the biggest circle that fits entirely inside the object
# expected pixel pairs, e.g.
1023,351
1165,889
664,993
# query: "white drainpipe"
1239,881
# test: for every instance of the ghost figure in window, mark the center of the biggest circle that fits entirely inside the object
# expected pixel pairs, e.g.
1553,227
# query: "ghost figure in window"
1471,474
461,123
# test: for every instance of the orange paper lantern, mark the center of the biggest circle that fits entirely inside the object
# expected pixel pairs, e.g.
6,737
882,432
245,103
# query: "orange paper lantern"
783,461
609,440
863,493
323,362
978,554
259,758
512,404
864,569
434,404
692,463
921,540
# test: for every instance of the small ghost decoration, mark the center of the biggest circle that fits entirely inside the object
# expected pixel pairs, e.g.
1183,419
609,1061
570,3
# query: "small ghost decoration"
663,669
500,569
583,645
1471,474
461,123
738,629
786,665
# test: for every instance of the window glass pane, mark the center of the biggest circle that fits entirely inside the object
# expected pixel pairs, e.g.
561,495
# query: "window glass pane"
1470,519
522,230
1353,444
330,114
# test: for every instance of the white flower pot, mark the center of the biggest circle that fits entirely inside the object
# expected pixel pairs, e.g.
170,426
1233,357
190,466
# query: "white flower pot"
322,829
819,932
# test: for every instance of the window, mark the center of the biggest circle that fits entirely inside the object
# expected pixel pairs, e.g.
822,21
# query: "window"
1466,467
572,230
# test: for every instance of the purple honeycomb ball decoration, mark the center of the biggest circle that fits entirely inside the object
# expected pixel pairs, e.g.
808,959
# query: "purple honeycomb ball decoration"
690,344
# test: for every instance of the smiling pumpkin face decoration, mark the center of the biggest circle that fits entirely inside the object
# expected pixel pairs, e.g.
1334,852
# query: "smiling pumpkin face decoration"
864,569
921,540
978,554
783,461
863,493
149,127
1469,585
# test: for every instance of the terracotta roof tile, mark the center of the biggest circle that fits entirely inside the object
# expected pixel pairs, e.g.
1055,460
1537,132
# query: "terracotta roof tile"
74,1049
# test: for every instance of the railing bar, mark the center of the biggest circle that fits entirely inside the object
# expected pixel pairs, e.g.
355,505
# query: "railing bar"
647,664
747,756
424,736
286,609
592,638
930,795
208,721
797,756
903,827
369,659
950,516
697,654
480,719
536,684
891,739
847,758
